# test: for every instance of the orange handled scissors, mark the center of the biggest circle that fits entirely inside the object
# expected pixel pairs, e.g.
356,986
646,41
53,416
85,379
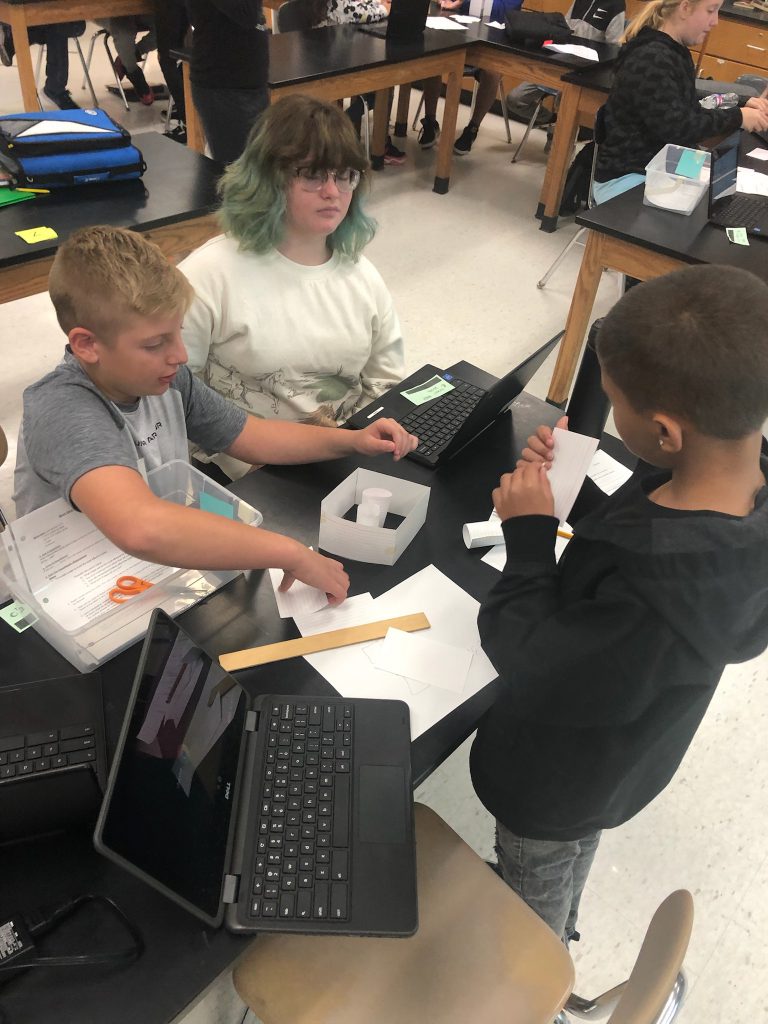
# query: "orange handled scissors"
128,586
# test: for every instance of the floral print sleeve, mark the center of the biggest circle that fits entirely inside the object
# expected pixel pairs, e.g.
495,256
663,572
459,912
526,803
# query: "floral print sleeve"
345,12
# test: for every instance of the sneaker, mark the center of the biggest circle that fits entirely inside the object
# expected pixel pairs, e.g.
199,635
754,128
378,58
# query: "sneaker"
430,132
393,155
463,144
142,89
7,48
119,68
178,134
63,99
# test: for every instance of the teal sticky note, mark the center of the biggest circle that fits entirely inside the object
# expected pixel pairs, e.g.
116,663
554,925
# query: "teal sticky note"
210,503
690,163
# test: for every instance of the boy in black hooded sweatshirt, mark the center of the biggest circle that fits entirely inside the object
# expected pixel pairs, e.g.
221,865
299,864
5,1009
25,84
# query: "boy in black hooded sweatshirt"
609,659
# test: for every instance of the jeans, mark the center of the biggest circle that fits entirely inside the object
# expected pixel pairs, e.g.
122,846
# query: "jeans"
548,876
56,38
228,116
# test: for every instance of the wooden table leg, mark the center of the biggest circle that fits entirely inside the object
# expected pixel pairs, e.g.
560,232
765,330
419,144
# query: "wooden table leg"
448,133
559,157
578,317
380,125
403,106
195,134
24,59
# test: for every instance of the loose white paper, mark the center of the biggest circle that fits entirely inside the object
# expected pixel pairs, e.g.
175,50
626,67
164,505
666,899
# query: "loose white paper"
465,19
751,181
607,473
573,454
453,617
417,656
352,612
759,154
574,49
300,599
495,24
442,23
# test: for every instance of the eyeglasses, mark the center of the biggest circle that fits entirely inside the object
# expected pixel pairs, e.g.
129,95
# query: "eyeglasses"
312,181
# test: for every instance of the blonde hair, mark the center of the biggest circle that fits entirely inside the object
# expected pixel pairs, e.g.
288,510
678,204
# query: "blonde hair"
102,276
653,15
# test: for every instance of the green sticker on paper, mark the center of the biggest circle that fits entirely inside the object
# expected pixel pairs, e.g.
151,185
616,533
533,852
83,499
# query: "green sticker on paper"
690,163
432,388
18,616
737,235
210,503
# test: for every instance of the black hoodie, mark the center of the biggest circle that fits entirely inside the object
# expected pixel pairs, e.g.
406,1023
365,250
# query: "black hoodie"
609,660
652,102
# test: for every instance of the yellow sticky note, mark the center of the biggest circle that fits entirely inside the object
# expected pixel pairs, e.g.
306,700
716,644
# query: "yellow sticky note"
33,235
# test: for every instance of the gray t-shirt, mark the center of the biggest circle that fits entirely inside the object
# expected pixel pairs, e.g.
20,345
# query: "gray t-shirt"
69,428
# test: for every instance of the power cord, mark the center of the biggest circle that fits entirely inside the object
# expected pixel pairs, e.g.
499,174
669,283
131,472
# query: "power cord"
17,935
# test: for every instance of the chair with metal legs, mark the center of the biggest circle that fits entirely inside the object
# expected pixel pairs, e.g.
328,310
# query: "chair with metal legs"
546,92
86,79
577,238
654,991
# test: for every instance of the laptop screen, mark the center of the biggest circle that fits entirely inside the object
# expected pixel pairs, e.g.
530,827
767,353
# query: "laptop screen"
171,793
725,162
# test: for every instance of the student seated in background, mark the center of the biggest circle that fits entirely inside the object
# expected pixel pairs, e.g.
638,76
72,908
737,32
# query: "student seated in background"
290,320
653,97
601,22
609,658
123,401
55,39
131,51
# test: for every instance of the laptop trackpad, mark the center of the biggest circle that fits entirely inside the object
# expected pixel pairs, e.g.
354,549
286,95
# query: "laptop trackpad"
382,811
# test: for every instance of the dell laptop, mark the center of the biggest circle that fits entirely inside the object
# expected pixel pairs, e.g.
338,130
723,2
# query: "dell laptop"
271,813
446,412
406,22
727,207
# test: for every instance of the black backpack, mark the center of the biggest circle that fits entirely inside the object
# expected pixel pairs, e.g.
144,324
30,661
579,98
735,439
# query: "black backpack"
576,188
532,28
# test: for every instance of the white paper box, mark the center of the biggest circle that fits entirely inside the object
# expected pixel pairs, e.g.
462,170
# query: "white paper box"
375,544
87,628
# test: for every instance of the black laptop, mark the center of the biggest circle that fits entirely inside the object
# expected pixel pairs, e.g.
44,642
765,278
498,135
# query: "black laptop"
728,208
463,407
407,20
272,813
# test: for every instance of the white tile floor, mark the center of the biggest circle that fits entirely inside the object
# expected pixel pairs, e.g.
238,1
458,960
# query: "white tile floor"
463,271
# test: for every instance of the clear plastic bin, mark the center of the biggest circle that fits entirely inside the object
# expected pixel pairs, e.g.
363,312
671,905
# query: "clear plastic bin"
668,189
116,627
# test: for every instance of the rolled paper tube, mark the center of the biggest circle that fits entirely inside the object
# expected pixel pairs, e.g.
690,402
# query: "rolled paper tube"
381,498
482,535
368,514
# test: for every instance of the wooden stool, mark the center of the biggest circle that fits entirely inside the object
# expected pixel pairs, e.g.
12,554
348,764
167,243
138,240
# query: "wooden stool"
480,955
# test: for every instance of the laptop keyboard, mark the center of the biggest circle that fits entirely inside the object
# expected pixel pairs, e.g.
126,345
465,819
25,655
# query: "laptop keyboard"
436,426
46,751
744,211
303,841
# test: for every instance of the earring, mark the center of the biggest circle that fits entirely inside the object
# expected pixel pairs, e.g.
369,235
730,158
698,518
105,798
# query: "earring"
661,442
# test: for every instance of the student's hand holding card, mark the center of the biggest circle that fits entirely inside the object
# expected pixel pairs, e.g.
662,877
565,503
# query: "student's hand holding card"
526,492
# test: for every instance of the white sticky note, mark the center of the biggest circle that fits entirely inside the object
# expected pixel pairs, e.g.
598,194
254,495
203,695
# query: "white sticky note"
301,599
423,659
572,455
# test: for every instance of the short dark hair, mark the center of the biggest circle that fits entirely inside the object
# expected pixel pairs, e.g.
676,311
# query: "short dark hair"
693,344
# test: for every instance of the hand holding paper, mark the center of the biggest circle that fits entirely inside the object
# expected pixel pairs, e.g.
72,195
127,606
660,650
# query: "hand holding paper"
573,454
526,492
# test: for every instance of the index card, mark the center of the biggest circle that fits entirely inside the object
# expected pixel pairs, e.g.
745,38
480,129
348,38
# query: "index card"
300,599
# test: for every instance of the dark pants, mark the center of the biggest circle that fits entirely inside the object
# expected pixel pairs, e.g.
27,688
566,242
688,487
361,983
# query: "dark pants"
228,116
56,39
171,24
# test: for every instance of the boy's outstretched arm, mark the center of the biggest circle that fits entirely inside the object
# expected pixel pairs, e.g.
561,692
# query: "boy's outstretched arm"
278,442
119,502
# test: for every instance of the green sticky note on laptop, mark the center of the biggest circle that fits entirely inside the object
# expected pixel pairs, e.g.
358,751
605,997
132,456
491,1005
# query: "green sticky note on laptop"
210,503
690,163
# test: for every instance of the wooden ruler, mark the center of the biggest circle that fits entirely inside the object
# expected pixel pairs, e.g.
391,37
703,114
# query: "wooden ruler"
321,642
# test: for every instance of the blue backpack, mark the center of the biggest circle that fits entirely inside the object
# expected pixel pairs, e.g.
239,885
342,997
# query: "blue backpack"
61,148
